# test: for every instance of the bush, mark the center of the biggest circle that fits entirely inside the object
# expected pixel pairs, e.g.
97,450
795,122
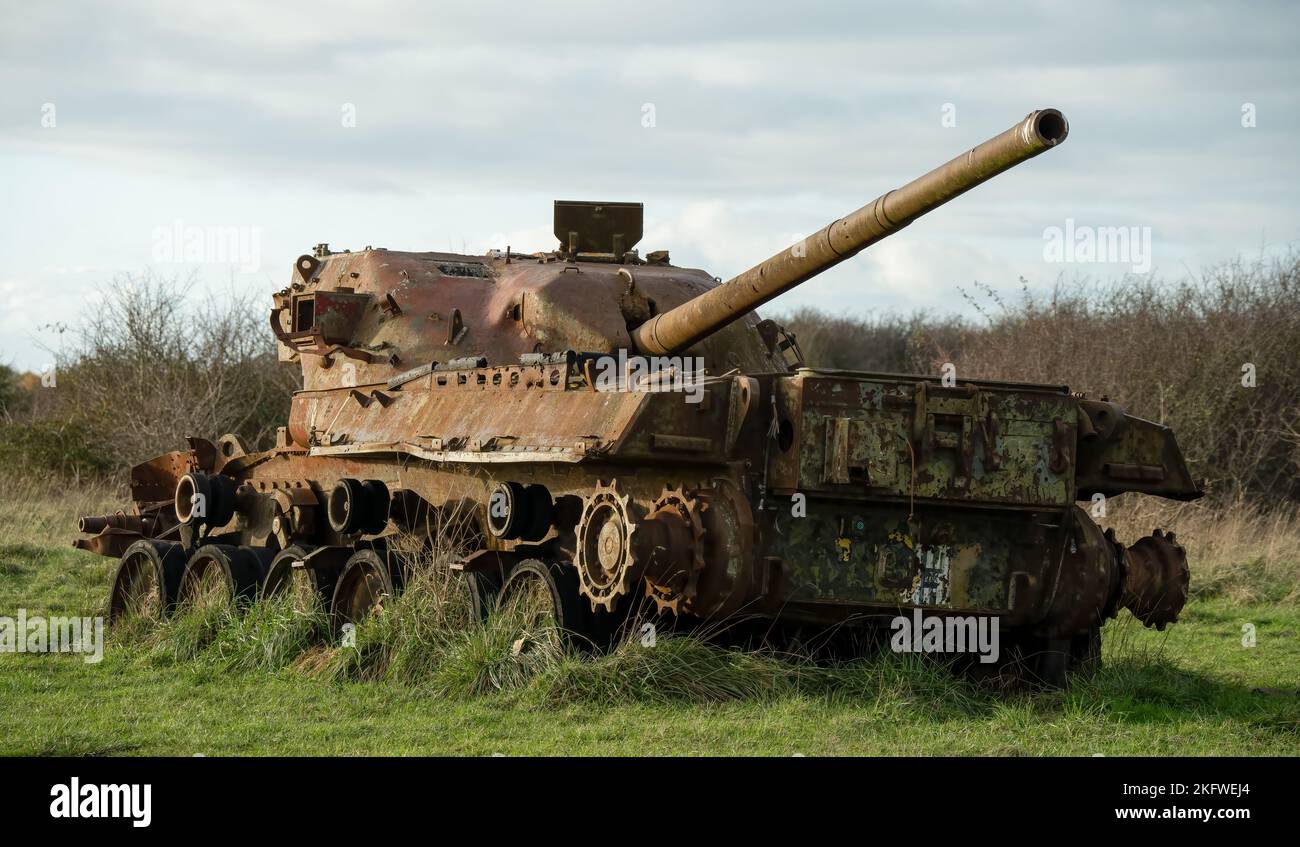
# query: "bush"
69,449
887,343
13,399
150,367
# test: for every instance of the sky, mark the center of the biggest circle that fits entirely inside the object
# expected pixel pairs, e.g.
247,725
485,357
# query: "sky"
216,142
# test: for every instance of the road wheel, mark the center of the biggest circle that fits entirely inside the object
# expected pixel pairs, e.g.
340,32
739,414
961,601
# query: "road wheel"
219,575
148,580
542,598
369,579
310,588
484,589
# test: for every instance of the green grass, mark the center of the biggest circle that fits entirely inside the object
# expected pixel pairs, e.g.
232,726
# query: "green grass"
232,685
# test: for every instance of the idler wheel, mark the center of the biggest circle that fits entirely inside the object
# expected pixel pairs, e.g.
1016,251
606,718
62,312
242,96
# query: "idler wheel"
148,580
1156,579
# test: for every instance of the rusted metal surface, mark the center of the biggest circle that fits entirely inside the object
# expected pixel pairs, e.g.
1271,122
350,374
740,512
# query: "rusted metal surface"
1119,453
505,310
907,438
1157,579
889,557
463,397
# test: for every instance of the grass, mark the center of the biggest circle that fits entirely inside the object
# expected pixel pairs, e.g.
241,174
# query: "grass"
420,681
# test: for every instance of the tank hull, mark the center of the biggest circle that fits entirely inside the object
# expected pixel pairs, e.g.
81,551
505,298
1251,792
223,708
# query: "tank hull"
813,497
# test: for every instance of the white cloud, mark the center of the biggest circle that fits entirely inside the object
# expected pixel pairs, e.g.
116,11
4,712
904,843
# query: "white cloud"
770,122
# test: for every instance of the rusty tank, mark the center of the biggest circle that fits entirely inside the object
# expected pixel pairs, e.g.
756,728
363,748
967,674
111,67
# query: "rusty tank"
622,432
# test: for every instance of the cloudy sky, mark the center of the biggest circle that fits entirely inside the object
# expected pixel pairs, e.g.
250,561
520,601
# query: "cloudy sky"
454,125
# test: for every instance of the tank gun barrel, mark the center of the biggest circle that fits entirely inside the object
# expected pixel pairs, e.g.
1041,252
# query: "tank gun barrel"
679,328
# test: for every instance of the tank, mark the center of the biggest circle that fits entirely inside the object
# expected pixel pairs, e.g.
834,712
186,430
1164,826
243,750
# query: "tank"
625,433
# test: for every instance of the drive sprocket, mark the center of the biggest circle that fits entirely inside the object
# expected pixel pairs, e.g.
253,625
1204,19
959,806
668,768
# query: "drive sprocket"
673,588
604,556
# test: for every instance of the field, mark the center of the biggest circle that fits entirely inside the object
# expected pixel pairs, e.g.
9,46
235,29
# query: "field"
269,684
